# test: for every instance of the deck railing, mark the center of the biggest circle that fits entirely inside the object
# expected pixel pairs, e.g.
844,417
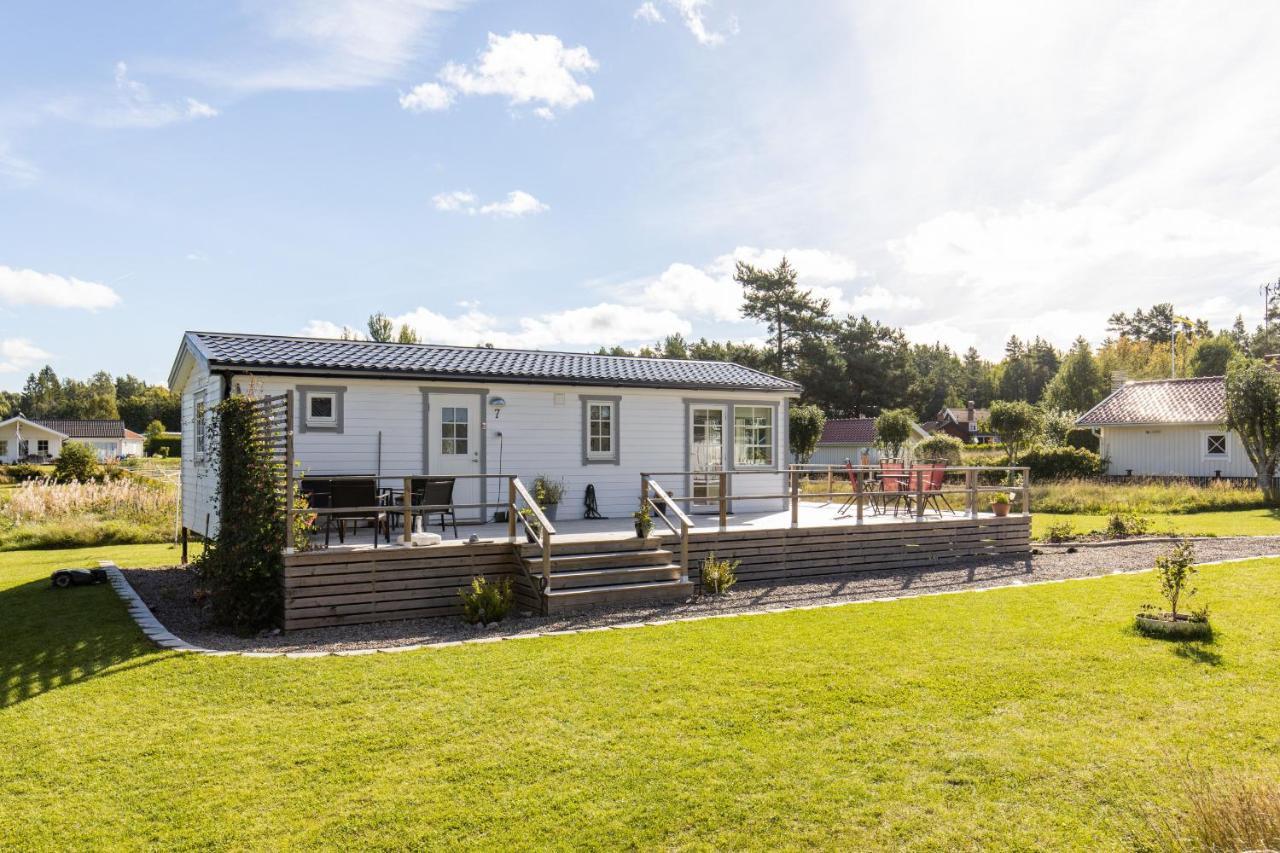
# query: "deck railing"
866,486
535,523
660,503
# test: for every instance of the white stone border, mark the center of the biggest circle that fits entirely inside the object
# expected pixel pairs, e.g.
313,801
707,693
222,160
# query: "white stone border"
165,639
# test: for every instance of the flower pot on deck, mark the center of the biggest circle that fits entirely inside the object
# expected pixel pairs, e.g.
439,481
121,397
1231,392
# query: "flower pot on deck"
550,511
1180,627
643,530
1000,509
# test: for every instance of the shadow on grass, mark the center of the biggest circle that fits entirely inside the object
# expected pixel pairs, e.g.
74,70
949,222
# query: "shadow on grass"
1198,652
56,638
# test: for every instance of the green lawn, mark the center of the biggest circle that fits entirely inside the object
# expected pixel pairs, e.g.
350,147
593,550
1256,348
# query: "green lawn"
1240,522
1020,718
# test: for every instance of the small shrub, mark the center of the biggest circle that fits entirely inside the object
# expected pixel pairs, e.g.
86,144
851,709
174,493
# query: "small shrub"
1175,571
1063,463
718,575
22,472
77,463
941,446
547,491
1124,524
163,445
485,602
644,520
1226,810
1060,531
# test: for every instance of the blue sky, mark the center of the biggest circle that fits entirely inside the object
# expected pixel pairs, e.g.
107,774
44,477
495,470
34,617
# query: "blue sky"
566,175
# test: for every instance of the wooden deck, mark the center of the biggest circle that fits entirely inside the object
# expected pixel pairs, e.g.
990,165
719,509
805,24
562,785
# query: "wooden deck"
599,562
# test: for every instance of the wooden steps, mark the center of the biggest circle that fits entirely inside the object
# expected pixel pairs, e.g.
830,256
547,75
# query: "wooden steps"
614,571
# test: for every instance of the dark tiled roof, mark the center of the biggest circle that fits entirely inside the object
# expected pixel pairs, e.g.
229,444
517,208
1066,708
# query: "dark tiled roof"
1162,401
85,429
849,431
318,356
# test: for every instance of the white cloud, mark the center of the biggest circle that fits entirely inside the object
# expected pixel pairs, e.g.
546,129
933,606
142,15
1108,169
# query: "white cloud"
197,257
693,14
297,45
648,13
427,97
15,169
324,329
537,71
18,354
28,287
517,203
130,104
604,324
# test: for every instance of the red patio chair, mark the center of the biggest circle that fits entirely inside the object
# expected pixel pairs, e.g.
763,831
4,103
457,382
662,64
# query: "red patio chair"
895,478
932,495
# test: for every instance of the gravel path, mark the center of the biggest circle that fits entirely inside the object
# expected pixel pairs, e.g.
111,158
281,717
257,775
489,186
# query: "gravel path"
168,592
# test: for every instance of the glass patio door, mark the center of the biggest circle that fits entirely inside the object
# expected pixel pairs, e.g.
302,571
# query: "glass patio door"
706,454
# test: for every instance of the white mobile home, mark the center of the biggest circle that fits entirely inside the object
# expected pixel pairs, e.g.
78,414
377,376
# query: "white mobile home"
23,438
390,409
1169,428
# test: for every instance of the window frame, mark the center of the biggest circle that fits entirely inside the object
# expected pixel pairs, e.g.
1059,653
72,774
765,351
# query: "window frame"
453,424
1208,436
4,447
199,404
335,424
599,457
739,457
329,420
42,447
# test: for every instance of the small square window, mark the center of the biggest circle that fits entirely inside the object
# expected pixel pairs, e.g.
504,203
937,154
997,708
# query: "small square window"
455,430
42,447
1215,444
321,408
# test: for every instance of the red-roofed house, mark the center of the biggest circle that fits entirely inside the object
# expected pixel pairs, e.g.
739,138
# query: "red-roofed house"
849,438
1169,428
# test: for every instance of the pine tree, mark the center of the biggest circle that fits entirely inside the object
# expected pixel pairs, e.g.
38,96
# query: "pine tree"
774,298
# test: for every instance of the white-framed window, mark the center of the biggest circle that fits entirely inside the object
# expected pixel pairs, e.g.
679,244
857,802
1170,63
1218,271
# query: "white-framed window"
752,436
455,430
322,409
4,447
42,446
197,406
1215,446
600,429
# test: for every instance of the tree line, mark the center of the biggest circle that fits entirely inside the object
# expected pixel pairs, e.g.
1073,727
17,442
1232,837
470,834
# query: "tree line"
47,396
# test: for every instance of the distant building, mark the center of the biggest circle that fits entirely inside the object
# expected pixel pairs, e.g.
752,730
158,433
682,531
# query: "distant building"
851,438
40,440
965,424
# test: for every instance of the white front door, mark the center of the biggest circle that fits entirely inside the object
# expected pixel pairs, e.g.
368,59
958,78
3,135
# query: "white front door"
706,453
453,436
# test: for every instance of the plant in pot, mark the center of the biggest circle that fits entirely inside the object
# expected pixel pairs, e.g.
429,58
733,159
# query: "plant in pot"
548,492
644,521
533,530
1000,503
1174,571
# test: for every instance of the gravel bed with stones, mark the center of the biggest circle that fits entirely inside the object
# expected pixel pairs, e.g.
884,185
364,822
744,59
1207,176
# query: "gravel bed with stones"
169,594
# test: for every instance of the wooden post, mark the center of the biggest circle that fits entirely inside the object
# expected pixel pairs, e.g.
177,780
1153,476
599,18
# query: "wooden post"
511,507
644,490
857,490
795,498
723,492
408,510
1026,491
288,474
971,487
831,483
546,560
684,550
919,493
185,533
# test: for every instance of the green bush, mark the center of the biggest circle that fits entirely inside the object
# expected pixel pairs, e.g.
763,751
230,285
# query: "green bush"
76,463
1085,439
941,446
718,575
485,603
21,472
1060,531
1124,524
163,446
1063,463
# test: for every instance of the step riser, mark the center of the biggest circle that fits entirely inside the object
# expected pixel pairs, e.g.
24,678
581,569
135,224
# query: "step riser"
603,580
639,595
628,543
628,559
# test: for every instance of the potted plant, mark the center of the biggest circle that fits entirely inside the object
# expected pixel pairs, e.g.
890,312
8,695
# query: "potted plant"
548,492
1174,571
534,529
1000,504
644,521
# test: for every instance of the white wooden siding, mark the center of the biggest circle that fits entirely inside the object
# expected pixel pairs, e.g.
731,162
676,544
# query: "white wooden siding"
1171,451
32,434
198,484
541,430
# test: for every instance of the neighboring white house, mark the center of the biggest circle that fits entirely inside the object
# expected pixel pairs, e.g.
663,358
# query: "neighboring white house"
850,438
1168,428
24,438
391,409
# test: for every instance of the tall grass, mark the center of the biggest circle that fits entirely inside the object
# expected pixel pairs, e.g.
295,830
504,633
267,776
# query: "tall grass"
1094,497
47,514
1226,811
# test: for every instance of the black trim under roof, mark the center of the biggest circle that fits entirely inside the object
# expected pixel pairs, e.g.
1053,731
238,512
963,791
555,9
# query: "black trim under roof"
327,357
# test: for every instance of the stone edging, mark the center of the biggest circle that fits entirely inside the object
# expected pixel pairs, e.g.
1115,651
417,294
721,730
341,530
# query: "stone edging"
165,639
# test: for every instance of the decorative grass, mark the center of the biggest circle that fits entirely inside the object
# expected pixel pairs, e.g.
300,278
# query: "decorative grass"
1026,718
1092,497
46,514
1252,522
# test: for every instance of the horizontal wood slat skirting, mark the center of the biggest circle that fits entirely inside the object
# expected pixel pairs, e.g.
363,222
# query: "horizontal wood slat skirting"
338,587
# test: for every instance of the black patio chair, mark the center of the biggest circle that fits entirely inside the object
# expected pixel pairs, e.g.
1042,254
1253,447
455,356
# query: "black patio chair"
428,496
358,495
